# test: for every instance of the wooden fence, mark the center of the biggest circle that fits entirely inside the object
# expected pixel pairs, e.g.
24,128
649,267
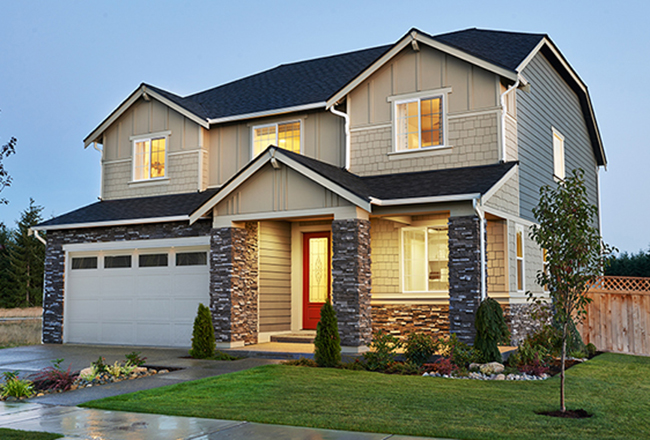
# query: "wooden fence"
618,318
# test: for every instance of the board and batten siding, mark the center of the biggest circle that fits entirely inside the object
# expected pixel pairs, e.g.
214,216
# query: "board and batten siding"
550,104
274,276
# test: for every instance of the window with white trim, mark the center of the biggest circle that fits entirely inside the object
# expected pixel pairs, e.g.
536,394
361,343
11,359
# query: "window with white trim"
425,256
149,158
521,285
285,135
419,123
558,155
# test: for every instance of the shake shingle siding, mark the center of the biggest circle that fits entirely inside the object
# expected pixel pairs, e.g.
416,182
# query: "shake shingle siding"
550,103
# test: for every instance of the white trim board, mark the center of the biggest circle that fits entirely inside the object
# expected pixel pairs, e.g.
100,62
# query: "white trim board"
138,244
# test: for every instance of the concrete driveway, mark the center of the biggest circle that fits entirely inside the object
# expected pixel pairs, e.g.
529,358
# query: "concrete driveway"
31,359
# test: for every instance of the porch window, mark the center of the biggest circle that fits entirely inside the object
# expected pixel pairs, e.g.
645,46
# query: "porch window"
284,135
419,123
520,258
149,158
425,256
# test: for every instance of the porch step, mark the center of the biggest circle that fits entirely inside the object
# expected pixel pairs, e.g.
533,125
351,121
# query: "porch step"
304,337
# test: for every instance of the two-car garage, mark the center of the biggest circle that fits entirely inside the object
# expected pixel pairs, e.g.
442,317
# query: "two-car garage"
143,292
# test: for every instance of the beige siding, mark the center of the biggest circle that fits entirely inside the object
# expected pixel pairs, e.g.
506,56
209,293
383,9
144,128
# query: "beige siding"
230,145
496,253
274,276
473,139
506,199
142,118
278,190
384,242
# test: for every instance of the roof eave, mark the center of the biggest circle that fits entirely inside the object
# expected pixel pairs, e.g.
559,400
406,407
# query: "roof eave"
128,102
261,114
110,223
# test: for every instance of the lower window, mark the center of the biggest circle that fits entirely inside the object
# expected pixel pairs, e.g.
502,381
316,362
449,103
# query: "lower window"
425,256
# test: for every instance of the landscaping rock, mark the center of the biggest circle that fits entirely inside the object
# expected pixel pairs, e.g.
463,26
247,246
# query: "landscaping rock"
474,366
492,368
500,377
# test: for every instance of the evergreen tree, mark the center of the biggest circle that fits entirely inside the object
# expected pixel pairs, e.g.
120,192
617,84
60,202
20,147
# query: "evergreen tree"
26,259
327,344
6,286
491,330
203,341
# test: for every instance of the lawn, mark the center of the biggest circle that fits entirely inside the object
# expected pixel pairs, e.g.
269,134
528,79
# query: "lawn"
615,388
12,434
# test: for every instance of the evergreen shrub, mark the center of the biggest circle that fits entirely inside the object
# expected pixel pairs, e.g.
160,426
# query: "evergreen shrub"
419,348
203,342
383,348
327,344
491,330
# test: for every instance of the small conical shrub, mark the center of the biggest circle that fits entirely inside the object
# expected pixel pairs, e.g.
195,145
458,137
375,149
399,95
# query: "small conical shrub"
491,329
203,334
327,344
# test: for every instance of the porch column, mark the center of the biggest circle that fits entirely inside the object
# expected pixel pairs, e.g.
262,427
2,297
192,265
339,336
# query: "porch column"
464,275
233,284
351,282
53,289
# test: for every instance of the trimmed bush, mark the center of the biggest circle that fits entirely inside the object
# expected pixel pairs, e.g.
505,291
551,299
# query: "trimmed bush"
327,344
491,330
203,343
383,348
419,348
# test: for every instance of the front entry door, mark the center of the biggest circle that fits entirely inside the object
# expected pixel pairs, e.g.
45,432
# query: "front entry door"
316,276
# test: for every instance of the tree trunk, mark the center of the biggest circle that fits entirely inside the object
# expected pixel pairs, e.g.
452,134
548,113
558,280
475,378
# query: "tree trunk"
28,285
563,361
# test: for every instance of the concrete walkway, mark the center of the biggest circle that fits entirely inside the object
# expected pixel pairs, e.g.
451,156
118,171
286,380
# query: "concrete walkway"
90,424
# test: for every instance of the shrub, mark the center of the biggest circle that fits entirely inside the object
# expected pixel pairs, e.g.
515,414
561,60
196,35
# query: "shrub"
536,368
115,370
135,359
419,348
383,349
15,387
444,365
403,368
327,344
99,366
460,353
221,356
528,355
491,330
591,350
54,377
355,365
203,342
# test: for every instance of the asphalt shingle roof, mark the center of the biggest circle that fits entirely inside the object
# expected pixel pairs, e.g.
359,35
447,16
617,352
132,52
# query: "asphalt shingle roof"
136,208
316,80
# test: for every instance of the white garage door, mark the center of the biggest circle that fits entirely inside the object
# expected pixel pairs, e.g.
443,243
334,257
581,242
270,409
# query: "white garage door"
143,297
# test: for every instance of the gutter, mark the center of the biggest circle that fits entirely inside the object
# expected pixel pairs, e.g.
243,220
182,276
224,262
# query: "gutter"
479,213
279,111
503,117
348,148
109,223
34,232
420,200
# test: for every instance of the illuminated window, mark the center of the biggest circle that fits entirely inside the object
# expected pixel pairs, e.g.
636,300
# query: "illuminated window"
558,155
285,135
520,258
425,256
149,158
419,123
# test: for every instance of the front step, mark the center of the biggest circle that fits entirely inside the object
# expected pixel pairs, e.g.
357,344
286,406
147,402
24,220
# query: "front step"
304,337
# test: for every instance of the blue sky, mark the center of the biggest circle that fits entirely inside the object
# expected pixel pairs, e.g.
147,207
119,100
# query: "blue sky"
65,65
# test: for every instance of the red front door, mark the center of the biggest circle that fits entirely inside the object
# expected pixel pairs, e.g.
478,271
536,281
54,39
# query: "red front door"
316,276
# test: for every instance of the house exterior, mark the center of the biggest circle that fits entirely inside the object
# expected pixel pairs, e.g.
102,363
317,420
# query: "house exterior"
398,181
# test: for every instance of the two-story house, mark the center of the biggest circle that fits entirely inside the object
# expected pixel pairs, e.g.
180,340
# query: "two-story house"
399,181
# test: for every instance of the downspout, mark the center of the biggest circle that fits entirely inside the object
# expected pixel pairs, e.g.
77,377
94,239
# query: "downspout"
347,134
503,117
34,232
481,217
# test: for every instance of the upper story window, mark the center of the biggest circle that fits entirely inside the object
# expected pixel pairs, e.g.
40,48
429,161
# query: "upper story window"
284,135
150,156
425,256
419,123
558,155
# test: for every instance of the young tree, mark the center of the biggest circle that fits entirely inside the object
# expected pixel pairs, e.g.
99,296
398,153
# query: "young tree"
327,344
574,252
27,257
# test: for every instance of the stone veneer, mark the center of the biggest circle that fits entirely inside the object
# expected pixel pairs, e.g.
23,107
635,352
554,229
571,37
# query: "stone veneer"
403,319
351,280
53,294
233,284
464,275
520,321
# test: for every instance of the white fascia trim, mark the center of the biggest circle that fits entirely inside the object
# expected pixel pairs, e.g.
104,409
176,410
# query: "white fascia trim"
507,216
92,137
497,186
262,114
422,200
138,244
136,221
262,160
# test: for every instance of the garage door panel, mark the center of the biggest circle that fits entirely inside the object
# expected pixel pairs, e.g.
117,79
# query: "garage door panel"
153,306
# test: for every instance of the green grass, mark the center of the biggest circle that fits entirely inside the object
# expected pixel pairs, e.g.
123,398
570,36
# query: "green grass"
615,388
12,434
